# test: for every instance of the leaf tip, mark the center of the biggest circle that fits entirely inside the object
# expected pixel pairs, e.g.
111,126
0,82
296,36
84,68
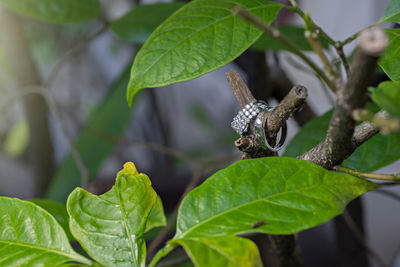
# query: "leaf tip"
129,168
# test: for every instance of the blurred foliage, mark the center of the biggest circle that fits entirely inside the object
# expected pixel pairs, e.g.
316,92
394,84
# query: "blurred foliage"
96,141
17,139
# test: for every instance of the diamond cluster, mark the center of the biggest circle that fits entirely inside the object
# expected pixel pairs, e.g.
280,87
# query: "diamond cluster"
241,121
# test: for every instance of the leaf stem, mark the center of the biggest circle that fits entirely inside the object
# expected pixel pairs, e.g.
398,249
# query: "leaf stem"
274,33
162,253
376,176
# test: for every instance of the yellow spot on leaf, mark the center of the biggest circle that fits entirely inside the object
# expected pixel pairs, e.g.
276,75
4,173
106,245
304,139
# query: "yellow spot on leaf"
129,168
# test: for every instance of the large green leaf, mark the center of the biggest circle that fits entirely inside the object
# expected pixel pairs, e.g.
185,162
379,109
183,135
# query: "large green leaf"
57,11
200,37
376,153
387,96
110,227
229,251
392,13
30,236
293,33
142,20
58,211
96,141
269,195
390,62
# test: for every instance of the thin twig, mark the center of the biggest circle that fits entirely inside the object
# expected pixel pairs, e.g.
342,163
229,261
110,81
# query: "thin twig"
312,39
376,176
274,33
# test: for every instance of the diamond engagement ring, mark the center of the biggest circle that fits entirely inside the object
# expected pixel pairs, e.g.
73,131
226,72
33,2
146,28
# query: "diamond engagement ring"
257,111
242,120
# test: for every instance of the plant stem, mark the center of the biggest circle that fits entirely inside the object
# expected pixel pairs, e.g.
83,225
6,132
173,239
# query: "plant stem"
376,176
274,33
337,45
312,39
162,253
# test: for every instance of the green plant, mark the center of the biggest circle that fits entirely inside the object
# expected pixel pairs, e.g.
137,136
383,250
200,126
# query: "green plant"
269,195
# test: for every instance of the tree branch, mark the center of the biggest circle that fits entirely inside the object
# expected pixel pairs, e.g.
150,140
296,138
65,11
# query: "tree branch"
339,142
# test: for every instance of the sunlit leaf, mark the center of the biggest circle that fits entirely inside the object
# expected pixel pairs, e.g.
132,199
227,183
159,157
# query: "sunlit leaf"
56,11
58,211
142,20
30,236
110,227
200,37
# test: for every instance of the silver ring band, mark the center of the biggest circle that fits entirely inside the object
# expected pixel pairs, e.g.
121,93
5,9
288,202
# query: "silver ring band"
260,132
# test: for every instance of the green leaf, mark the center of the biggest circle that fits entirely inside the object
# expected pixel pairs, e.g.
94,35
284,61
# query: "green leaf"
390,62
30,236
142,20
392,13
200,37
293,33
387,96
376,153
58,211
110,227
284,194
221,251
17,139
56,11
97,140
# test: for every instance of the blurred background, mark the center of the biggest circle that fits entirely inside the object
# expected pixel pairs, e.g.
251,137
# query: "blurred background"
65,121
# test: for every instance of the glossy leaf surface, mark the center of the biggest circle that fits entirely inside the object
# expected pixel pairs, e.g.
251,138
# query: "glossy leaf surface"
200,37
97,140
142,20
387,96
56,11
110,226
286,194
58,211
376,153
392,13
222,251
389,62
30,236
293,33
